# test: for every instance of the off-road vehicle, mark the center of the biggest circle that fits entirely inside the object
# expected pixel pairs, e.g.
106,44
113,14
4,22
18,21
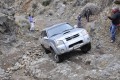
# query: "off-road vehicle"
62,38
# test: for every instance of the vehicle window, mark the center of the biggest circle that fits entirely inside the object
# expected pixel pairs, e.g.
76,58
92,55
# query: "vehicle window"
58,29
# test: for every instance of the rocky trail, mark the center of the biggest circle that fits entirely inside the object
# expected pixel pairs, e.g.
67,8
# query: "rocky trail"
31,63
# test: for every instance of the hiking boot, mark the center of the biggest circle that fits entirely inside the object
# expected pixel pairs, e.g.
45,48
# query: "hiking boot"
112,41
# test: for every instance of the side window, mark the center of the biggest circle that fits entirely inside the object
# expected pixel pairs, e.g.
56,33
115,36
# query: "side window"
43,34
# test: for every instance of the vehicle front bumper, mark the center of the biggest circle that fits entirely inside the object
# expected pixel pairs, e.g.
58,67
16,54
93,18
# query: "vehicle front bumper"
72,45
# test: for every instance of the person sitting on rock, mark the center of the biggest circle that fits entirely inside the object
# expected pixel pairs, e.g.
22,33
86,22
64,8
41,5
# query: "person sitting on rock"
115,21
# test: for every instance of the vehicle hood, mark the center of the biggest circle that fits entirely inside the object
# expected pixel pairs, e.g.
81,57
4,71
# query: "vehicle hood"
66,34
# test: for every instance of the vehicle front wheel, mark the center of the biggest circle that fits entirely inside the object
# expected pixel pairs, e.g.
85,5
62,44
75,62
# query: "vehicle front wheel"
86,48
56,58
45,50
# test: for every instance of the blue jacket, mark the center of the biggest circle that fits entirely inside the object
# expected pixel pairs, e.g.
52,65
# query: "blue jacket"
30,19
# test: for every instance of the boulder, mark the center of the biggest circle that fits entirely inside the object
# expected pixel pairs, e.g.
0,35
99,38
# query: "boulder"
60,9
7,25
2,72
3,27
93,7
1,53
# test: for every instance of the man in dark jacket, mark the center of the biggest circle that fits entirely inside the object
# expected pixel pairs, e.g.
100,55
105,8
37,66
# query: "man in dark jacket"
115,19
87,14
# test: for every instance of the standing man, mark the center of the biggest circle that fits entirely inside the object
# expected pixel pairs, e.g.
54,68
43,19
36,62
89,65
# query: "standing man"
87,14
79,21
32,27
115,21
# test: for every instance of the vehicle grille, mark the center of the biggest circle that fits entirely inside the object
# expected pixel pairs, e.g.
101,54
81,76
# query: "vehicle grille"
81,41
72,37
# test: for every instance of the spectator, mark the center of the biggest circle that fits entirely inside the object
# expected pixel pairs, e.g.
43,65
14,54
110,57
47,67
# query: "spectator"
79,21
115,21
32,27
87,14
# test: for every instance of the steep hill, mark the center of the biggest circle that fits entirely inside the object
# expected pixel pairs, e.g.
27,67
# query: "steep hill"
21,56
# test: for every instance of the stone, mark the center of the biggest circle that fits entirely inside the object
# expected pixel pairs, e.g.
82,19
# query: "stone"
61,8
2,72
1,53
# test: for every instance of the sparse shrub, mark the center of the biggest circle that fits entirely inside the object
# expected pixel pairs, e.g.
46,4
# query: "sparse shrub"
117,1
64,2
34,6
9,2
46,2
77,3
70,0
104,3
50,14
42,11
23,24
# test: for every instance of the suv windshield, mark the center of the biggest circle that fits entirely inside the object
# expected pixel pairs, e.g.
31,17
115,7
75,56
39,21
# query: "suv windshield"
58,29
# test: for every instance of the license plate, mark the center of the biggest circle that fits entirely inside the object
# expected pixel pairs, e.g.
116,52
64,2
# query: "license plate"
76,46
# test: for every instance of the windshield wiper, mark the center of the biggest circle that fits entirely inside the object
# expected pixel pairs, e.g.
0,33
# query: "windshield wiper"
55,34
66,31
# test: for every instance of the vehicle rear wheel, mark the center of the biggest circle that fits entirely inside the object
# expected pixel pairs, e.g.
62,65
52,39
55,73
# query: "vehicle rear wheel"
56,58
86,48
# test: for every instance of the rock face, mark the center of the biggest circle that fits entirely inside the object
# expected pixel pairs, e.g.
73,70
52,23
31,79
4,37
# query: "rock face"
8,30
6,25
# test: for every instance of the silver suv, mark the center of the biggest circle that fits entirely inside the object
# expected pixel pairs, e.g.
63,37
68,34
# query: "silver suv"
62,38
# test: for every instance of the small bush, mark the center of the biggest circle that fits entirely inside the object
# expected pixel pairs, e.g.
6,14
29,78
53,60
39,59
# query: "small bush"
23,24
69,0
117,1
46,2
42,11
64,2
34,6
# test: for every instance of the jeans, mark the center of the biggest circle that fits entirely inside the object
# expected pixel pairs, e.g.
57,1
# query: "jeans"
87,18
113,29
79,24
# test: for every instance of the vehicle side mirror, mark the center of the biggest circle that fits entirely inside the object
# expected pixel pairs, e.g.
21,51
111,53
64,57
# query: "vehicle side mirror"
45,37
75,26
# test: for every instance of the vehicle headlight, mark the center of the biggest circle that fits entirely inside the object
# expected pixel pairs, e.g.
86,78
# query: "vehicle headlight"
84,32
60,42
